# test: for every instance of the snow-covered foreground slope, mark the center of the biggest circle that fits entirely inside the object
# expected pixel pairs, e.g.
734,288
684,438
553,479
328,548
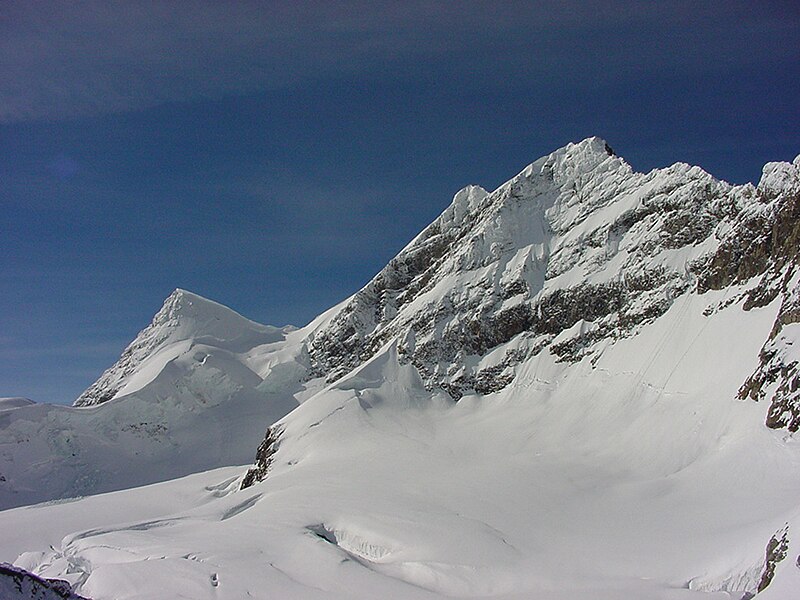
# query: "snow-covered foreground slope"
636,477
583,384
192,392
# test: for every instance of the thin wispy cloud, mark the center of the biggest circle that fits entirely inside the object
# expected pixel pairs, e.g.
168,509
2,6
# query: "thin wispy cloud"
82,58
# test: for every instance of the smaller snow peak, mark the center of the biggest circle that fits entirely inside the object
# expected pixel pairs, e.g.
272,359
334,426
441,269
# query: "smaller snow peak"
467,200
184,319
182,303
192,315
780,176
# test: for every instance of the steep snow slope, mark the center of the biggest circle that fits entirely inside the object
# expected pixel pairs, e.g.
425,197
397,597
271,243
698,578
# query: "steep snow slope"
192,392
185,320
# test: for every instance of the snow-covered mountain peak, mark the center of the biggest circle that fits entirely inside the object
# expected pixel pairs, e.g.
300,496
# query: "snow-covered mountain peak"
584,313
193,391
778,176
184,320
576,236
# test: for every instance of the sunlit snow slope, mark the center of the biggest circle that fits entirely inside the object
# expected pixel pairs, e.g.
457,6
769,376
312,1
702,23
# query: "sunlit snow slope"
192,392
581,385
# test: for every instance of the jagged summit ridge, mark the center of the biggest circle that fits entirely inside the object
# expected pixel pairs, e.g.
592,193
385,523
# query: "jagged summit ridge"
576,235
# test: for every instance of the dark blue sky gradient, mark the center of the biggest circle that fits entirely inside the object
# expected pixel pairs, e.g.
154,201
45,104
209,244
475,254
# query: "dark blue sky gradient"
274,159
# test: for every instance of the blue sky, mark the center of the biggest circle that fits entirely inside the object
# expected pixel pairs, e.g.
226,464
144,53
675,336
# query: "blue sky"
274,156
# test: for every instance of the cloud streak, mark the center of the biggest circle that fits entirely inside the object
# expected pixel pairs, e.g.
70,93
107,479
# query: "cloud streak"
72,59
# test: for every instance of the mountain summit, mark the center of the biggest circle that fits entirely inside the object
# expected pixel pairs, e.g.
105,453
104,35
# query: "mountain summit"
184,318
577,239
582,383
190,393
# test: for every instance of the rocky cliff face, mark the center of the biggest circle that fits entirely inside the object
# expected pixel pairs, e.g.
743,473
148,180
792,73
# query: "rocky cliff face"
574,253
19,584
576,238
765,243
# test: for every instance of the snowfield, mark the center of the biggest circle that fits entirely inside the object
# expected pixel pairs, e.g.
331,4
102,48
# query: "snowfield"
631,466
185,399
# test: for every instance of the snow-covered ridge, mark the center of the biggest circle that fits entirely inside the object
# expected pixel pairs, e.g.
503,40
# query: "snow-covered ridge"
184,318
547,393
193,391
576,236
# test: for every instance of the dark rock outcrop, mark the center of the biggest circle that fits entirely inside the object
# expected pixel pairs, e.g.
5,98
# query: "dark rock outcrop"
777,377
264,453
19,584
767,244
777,549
